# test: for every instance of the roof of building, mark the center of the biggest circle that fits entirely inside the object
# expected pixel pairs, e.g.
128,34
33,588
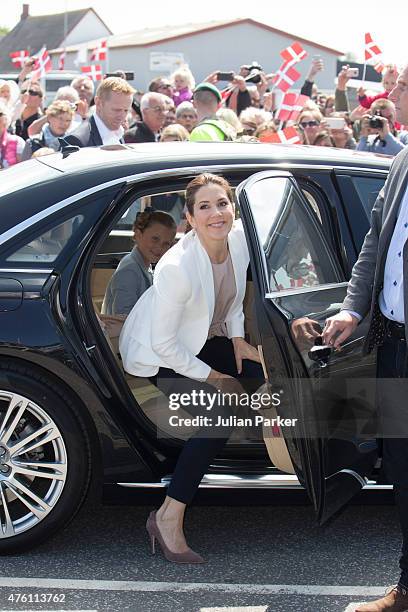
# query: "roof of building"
157,35
33,32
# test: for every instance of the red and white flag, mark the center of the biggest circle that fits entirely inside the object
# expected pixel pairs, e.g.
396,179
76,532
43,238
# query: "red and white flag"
291,105
295,53
18,57
286,76
99,53
42,65
61,61
287,136
94,71
379,66
372,50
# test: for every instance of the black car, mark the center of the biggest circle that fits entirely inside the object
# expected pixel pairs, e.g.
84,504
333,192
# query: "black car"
72,421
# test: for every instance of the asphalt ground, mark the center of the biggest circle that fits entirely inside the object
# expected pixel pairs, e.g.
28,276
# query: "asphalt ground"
264,552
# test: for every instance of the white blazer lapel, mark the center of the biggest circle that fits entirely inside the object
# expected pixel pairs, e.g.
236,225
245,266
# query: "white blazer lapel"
206,275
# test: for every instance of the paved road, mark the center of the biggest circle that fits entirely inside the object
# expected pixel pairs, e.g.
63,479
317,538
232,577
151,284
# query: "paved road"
260,558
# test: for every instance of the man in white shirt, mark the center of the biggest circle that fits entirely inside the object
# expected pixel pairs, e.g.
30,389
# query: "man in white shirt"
379,289
113,100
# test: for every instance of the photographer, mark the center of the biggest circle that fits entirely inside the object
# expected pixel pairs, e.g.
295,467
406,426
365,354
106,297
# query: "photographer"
378,134
238,98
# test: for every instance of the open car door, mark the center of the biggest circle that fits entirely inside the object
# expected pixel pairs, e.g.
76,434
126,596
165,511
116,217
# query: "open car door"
298,283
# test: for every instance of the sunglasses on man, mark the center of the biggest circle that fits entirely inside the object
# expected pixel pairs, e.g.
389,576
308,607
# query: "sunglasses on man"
32,92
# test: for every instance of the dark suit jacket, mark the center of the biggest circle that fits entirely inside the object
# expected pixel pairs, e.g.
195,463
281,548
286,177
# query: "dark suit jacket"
139,132
368,272
86,135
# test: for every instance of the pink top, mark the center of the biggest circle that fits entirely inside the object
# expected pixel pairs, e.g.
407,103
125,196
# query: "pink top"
224,294
184,95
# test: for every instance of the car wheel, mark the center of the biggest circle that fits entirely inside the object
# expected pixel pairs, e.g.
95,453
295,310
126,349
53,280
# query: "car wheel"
45,461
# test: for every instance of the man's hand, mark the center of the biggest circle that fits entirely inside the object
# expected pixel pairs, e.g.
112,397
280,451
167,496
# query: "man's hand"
338,328
82,108
342,78
361,92
211,78
365,129
262,86
304,332
27,68
385,130
239,81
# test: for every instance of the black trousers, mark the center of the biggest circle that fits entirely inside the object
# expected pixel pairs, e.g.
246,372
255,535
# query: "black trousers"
199,451
392,399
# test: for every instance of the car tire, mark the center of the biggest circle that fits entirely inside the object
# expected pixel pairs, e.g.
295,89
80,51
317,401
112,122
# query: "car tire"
45,458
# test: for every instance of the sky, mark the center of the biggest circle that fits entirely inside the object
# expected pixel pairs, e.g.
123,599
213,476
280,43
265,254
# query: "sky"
340,25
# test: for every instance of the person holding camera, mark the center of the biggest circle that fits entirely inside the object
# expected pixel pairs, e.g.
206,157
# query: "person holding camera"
378,134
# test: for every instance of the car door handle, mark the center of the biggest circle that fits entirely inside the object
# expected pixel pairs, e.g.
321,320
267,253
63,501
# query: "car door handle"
320,354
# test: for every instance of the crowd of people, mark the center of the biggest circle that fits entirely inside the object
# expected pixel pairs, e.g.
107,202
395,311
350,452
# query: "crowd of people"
175,108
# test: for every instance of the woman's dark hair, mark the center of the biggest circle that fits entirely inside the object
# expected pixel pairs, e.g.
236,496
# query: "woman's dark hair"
150,216
201,181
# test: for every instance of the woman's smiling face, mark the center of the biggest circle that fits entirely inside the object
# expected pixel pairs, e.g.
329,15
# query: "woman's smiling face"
213,213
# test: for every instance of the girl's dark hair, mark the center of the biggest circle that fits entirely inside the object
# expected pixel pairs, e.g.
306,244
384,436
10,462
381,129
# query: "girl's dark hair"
201,181
150,216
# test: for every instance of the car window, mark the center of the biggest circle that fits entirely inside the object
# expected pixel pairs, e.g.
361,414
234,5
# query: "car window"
120,239
368,189
48,245
172,202
295,251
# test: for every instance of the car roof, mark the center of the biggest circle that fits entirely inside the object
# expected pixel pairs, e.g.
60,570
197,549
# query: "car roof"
28,188
193,153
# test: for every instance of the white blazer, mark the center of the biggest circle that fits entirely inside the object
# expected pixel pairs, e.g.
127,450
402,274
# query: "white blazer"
168,326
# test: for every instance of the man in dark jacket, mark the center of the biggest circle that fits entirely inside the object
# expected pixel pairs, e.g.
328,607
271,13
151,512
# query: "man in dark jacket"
153,108
378,289
113,100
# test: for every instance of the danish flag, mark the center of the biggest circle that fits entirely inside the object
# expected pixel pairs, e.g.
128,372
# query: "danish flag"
94,71
372,50
61,61
42,65
99,53
286,76
291,105
287,136
295,53
18,57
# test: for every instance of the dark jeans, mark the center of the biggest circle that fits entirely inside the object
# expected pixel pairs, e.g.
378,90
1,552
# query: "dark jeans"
199,451
393,402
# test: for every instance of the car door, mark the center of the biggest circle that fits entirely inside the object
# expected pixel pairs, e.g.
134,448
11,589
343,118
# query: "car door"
298,283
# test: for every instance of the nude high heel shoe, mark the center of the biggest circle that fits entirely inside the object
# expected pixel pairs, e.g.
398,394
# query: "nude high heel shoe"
153,530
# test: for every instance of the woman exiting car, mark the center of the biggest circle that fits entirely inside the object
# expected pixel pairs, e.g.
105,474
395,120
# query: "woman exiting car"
187,332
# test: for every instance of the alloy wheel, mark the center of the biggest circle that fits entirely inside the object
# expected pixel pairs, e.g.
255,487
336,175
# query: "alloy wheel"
33,464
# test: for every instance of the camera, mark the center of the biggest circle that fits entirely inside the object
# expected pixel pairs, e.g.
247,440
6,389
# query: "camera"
226,75
375,123
128,76
253,77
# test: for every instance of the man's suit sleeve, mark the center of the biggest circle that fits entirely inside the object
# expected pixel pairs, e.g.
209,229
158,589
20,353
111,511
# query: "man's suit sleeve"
360,287
73,140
